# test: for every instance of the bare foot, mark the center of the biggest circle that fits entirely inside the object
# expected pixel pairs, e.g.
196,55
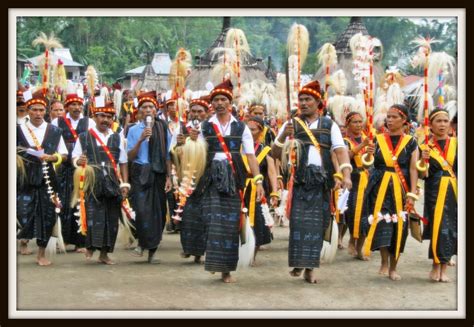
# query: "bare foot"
444,278
184,255
137,252
80,250
43,262
309,276
394,275
361,257
383,270
340,246
106,260
89,254
197,259
296,272
255,263
24,248
351,249
435,274
452,263
227,278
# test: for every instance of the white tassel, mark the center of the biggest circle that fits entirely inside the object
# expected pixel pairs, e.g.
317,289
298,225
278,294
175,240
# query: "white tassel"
267,215
247,250
329,250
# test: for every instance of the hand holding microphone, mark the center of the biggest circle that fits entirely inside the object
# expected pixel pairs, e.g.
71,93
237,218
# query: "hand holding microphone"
148,123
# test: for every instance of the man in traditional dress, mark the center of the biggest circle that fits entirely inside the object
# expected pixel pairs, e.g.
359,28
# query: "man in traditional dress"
310,214
149,175
72,125
37,198
222,183
103,150
56,109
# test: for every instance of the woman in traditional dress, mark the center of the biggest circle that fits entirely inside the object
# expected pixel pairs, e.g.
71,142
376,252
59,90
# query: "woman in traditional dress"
358,144
390,191
267,169
440,194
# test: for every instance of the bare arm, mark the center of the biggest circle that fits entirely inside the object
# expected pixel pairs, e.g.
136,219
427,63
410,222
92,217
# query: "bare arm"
272,176
132,154
342,158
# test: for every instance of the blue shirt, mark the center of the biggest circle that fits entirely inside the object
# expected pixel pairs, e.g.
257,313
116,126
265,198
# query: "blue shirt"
132,139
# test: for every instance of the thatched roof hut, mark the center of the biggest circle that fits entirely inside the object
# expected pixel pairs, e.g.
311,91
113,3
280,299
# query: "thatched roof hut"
252,68
344,57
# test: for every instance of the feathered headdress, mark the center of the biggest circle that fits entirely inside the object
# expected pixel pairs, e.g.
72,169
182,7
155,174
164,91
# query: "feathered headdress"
45,62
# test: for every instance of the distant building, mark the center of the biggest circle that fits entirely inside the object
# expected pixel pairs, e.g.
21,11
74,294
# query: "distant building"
73,69
153,76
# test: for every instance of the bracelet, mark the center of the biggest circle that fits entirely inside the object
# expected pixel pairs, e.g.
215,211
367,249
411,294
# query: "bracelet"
412,196
421,168
364,160
345,165
278,143
275,194
257,178
280,177
338,176
60,159
74,162
259,182
122,185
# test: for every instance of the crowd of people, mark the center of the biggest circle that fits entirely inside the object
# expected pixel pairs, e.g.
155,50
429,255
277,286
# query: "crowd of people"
92,171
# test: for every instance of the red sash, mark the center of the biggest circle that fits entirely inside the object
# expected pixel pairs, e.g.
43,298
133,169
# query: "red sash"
73,131
229,157
107,151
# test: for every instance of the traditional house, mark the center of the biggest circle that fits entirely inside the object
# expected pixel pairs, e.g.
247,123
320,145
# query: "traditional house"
252,68
153,76
73,69
344,57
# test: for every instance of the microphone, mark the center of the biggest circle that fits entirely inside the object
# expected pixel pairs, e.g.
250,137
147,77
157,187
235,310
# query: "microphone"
149,122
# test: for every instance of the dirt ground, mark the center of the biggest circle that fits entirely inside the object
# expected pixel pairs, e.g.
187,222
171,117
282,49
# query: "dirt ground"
175,283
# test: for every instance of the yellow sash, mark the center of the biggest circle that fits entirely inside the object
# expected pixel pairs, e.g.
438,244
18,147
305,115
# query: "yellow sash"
443,190
363,181
264,133
249,182
397,190
357,157
310,134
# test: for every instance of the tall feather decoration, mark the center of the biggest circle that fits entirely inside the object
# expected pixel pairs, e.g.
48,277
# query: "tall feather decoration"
226,68
298,44
45,66
423,57
180,69
327,57
235,39
91,80
59,78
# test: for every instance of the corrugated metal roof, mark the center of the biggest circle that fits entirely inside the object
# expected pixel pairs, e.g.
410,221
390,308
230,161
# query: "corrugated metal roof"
54,58
161,64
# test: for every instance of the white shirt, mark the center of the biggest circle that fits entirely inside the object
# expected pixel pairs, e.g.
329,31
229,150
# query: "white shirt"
314,157
39,133
122,156
74,122
247,139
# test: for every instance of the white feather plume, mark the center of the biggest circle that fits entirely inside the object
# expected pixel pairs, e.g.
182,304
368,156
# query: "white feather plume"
298,40
327,55
329,249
